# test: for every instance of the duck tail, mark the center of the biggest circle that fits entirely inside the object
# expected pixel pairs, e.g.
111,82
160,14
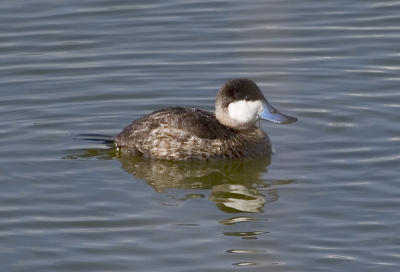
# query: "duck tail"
92,137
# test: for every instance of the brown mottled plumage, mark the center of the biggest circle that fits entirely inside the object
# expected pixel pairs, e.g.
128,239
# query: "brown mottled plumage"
182,133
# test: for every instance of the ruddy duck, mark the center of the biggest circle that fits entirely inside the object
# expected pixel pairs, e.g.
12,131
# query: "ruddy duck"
184,133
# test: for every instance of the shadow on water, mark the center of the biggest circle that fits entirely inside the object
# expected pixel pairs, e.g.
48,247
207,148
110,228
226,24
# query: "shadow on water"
234,185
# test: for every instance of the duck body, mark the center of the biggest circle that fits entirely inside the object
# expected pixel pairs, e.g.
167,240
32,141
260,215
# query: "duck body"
186,133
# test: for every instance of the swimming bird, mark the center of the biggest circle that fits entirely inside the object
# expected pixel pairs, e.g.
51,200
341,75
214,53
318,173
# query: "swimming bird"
187,133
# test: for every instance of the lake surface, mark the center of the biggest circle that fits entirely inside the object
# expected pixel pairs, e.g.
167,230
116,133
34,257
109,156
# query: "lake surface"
328,199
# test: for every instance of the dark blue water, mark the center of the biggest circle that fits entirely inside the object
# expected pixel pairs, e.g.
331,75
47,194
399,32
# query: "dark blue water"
327,201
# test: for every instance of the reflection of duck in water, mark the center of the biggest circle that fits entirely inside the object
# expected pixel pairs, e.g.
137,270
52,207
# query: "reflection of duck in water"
182,133
163,175
234,184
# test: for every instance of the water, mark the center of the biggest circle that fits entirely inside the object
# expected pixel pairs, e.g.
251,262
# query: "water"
327,201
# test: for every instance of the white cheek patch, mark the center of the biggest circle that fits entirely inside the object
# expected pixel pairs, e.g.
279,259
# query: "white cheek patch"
245,111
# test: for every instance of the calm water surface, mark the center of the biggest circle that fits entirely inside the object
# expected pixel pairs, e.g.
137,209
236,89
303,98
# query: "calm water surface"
328,200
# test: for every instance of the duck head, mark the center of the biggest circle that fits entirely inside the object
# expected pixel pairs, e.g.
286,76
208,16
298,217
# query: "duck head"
240,103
